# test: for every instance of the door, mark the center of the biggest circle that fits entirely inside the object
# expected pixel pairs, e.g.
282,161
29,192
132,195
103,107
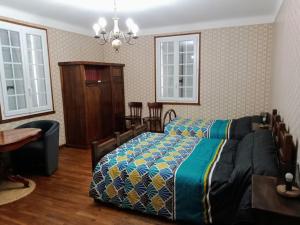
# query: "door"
93,102
118,98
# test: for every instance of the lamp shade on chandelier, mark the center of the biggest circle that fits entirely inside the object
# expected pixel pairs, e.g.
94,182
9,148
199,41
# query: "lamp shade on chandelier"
116,37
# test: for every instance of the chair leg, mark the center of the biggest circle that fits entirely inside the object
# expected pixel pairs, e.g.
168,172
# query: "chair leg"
18,179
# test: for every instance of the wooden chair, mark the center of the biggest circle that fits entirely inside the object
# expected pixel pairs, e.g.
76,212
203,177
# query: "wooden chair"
135,117
154,119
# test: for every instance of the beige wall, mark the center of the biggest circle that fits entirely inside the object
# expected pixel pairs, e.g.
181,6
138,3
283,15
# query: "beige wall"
286,66
235,72
63,46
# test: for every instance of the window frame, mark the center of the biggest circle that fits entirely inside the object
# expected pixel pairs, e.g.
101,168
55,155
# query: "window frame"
157,75
29,112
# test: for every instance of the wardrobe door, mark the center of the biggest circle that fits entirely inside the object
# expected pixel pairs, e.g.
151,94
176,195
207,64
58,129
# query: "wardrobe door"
93,102
106,103
118,98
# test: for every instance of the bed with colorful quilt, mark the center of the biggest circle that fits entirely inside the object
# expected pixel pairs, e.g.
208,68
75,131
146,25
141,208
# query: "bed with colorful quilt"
223,129
197,180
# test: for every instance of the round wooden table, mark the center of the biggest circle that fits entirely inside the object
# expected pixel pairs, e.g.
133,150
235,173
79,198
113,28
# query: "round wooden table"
11,140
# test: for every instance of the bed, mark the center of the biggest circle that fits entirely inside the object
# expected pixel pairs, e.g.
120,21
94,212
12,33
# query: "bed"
191,179
223,129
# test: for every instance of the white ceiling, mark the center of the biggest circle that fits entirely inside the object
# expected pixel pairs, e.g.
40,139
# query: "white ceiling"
152,16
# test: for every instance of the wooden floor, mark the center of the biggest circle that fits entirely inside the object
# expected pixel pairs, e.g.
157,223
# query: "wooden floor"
62,199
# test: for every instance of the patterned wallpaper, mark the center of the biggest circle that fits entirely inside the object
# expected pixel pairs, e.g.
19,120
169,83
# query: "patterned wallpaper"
63,46
235,72
286,69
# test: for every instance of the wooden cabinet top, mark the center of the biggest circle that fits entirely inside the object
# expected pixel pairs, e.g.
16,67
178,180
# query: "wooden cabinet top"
265,197
89,63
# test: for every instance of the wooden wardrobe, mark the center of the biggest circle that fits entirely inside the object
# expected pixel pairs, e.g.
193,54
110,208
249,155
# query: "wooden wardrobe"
93,100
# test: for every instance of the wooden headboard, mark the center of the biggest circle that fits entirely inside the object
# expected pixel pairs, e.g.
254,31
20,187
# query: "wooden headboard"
101,149
287,151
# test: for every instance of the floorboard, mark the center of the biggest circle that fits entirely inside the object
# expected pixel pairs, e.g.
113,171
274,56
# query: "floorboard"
62,199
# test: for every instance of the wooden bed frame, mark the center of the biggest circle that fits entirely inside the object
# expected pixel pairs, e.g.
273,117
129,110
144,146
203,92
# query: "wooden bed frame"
287,150
100,150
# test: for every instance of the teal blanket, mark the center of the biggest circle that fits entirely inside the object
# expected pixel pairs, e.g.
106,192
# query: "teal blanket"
159,174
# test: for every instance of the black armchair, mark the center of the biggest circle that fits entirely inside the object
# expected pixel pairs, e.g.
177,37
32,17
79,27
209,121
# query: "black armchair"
41,155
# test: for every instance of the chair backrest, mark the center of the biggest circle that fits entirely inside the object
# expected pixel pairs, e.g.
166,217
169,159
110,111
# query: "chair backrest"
45,125
136,109
155,110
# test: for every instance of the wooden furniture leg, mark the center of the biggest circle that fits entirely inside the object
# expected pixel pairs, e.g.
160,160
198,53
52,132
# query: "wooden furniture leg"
18,179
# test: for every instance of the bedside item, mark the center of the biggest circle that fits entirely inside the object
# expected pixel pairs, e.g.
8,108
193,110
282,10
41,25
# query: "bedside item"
288,190
260,126
264,117
289,181
294,192
270,207
93,101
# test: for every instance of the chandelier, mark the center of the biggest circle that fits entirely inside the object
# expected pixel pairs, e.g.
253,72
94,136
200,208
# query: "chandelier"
115,36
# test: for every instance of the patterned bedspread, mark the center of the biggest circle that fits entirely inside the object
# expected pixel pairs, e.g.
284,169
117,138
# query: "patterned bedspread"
199,128
159,174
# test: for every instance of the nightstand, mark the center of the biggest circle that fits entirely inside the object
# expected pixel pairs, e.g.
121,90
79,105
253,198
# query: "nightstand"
260,126
269,207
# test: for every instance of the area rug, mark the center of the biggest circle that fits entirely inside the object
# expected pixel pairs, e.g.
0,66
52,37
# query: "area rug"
10,192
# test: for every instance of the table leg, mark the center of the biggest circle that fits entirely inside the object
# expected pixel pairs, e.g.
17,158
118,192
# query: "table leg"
18,179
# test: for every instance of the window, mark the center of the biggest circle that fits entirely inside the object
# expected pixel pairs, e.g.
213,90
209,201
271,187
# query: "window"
24,71
177,69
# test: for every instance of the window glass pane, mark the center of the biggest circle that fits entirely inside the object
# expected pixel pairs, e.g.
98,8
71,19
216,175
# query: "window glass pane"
18,70
8,71
36,71
182,46
188,81
42,99
4,37
6,54
35,57
189,92
16,55
170,59
34,41
181,58
170,81
170,92
15,38
190,46
40,71
181,92
164,70
171,70
12,104
189,69
190,58
165,59
171,47
21,101
38,86
39,100
20,89
10,87
164,47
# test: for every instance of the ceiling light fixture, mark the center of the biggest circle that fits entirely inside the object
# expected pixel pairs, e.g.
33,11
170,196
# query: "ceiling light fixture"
115,36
